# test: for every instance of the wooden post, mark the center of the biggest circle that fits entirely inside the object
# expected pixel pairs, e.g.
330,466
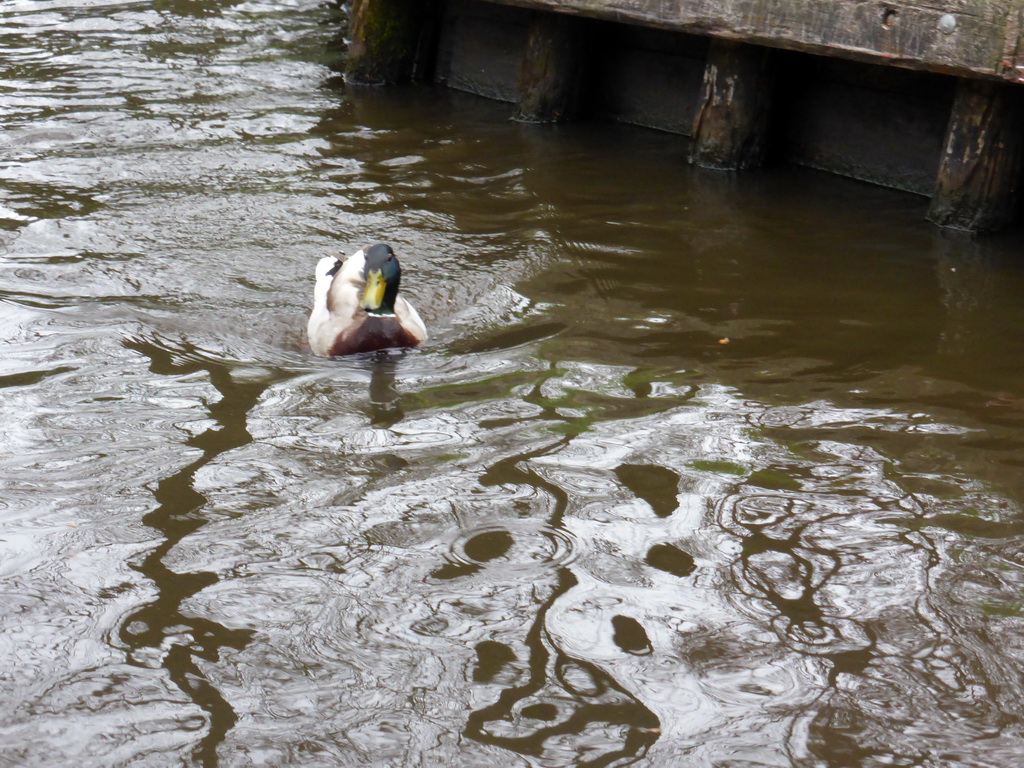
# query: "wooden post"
730,130
552,71
979,172
384,41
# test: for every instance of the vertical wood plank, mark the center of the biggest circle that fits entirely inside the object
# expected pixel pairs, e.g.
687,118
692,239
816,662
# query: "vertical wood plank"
731,127
979,172
553,69
384,41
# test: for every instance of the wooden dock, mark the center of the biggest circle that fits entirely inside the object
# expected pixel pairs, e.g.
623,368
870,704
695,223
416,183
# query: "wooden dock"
917,95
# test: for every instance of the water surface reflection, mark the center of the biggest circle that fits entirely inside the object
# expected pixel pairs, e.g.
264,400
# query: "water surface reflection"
696,469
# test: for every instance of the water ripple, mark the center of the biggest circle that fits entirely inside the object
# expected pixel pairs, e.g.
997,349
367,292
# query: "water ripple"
694,489
512,546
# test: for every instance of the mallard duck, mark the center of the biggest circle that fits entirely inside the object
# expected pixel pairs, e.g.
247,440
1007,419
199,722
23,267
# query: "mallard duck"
356,306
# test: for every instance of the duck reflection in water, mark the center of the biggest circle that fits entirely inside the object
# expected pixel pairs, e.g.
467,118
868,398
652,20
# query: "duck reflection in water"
385,401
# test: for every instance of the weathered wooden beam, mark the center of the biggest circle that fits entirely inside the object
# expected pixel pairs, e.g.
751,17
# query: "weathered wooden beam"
979,172
731,128
551,76
384,41
972,38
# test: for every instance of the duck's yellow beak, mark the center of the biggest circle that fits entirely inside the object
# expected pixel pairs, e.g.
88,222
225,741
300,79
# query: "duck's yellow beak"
374,293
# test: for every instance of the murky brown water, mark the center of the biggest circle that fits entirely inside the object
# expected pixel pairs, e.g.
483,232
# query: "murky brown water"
577,528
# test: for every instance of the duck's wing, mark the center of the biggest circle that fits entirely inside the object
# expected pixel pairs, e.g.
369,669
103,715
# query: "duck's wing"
410,320
325,328
336,299
346,289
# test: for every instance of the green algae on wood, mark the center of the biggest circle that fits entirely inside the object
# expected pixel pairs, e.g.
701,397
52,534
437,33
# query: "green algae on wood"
385,37
552,72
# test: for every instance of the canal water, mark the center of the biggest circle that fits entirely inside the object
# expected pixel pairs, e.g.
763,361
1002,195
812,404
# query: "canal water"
695,470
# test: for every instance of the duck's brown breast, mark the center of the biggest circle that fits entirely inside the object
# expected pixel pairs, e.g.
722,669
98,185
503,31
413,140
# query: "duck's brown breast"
371,334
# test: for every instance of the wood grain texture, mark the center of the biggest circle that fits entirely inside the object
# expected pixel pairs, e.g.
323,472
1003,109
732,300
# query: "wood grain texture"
551,75
481,49
384,38
983,42
731,129
979,174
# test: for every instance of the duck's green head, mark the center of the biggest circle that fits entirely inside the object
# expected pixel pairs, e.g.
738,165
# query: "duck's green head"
382,274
